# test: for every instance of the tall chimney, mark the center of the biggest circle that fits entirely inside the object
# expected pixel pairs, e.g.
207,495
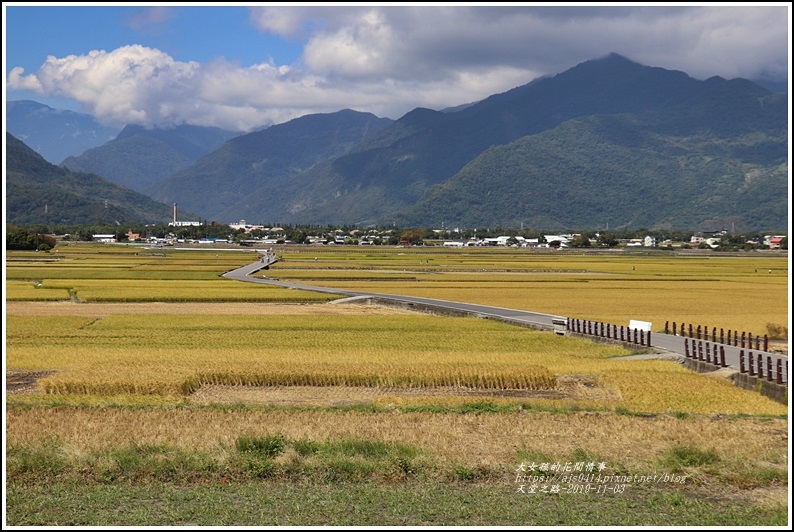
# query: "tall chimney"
174,213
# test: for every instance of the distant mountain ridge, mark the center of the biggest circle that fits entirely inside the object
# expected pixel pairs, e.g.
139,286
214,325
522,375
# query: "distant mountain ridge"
55,133
606,142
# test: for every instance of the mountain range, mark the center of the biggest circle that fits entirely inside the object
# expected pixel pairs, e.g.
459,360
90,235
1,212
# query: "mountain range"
39,192
607,143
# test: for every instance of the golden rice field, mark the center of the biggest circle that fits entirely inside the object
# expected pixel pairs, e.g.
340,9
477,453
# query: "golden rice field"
743,293
170,356
172,353
730,292
130,369
123,290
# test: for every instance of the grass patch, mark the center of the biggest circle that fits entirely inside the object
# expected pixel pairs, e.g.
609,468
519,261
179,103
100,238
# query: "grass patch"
414,503
269,446
680,457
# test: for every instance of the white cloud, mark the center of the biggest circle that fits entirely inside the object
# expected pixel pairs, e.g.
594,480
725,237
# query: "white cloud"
389,60
16,80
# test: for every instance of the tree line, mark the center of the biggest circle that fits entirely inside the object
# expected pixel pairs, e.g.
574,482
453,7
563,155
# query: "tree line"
42,237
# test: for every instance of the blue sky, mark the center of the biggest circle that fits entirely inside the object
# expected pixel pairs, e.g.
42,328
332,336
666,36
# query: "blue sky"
185,33
243,66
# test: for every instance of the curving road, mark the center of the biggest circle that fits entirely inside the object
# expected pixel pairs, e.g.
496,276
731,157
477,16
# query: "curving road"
667,342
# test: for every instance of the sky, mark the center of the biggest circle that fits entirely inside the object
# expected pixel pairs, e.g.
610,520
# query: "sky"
243,66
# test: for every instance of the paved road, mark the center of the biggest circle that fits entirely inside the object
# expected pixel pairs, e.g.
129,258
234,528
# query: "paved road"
668,342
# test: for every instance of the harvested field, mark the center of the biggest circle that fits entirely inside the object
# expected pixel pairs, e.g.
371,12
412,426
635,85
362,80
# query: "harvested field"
576,387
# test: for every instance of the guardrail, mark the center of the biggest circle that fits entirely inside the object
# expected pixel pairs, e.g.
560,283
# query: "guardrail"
755,367
702,333
609,331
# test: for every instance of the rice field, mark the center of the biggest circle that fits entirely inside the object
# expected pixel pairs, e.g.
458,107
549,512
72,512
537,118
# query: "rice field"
176,352
174,355
745,293
152,370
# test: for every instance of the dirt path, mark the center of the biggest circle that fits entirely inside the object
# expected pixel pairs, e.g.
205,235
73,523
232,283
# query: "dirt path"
24,382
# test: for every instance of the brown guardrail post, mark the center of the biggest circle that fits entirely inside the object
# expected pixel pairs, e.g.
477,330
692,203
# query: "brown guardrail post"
722,336
722,352
743,335
714,334
700,350
760,366
750,362
648,339
675,333
690,331
768,368
741,361
708,353
779,371
699,332
666,330
766,342
686,347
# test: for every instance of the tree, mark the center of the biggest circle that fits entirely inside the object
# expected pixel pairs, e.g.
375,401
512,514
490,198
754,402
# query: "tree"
21,239
412,236
580,241
607,239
